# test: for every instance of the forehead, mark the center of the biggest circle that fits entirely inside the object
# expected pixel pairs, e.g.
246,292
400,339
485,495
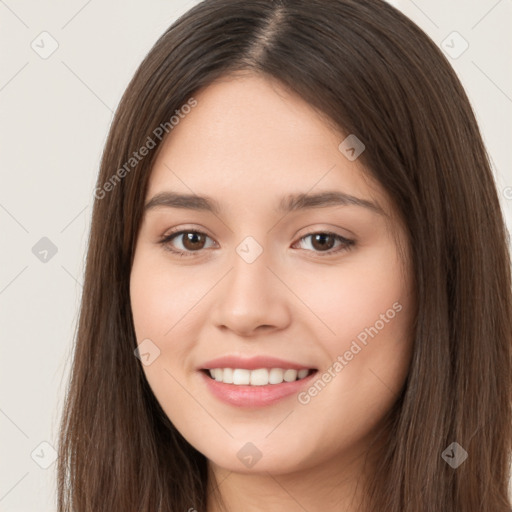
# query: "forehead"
251,139
243,115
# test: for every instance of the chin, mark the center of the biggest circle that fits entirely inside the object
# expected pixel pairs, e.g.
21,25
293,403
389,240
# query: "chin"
252,457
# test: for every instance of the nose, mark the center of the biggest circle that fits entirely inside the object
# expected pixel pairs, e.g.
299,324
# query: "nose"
251,300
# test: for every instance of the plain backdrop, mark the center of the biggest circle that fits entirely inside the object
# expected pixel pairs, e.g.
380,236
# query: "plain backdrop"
55,112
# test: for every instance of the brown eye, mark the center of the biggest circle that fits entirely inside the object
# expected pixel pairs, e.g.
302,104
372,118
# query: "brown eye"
325,243
185,243
193,241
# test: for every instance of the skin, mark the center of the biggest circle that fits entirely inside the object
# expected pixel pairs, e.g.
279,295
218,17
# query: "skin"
247,143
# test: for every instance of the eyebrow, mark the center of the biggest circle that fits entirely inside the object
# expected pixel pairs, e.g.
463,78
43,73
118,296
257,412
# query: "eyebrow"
290,203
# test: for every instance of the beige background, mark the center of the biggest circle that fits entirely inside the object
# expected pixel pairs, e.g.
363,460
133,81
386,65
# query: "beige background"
54,116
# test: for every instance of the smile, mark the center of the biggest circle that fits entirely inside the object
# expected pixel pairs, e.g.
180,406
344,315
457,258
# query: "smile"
256,388
259,376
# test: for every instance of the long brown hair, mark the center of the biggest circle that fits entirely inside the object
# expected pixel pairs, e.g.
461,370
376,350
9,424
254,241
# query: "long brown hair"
378,76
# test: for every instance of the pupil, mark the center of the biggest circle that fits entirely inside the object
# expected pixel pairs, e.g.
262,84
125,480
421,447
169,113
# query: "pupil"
322,237
191,241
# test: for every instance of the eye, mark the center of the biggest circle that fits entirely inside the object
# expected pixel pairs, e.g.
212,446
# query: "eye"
323,243
191,241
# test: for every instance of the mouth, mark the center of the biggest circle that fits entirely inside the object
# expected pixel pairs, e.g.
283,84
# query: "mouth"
256,388
258,376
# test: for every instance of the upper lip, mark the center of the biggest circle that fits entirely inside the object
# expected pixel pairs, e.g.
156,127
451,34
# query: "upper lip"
251,363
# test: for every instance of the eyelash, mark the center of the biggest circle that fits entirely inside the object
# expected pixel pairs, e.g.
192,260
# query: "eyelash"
346,244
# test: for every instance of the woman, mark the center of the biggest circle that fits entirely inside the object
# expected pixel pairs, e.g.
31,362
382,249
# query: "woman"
297,293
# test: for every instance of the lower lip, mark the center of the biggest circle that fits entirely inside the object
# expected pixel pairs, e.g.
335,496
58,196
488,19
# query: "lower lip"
254,396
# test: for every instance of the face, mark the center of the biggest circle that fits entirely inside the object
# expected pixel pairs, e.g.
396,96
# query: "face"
306,303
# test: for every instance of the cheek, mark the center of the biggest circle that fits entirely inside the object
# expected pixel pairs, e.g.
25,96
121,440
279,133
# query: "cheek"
160,298
351,297
165,303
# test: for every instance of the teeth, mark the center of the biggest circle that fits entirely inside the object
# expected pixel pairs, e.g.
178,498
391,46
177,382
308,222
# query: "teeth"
240,376
227,376
259,377
290,375
303,373
275,376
